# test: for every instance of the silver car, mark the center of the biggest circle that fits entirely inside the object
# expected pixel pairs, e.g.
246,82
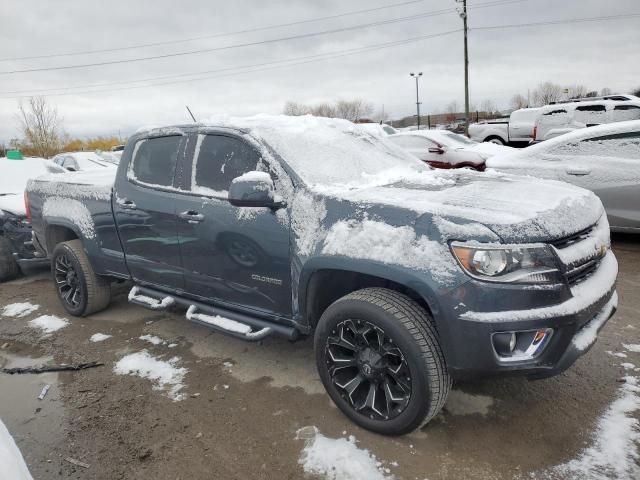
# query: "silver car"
604,159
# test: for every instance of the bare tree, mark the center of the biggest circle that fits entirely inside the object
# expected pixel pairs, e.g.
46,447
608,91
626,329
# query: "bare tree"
636,92
577,91
41,126
605,91
547,93
295,109
323,110
353,110
518,101
452,107
488,106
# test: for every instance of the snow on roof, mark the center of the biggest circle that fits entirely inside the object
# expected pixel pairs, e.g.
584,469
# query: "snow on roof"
322,150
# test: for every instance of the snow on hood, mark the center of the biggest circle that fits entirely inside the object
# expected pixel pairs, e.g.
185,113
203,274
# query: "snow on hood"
518,209
12,203
487,149
16,173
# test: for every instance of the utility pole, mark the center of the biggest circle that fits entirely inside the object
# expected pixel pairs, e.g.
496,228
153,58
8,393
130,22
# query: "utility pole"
463,15
417,95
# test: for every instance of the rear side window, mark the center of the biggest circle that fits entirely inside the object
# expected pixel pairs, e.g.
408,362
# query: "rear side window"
413,141
591,114
218,160
625,112
618,145
154,161
555,112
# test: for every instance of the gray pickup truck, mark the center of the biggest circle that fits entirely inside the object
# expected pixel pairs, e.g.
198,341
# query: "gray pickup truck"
407,277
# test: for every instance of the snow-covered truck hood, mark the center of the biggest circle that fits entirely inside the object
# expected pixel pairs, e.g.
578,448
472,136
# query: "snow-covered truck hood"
12,203
517,209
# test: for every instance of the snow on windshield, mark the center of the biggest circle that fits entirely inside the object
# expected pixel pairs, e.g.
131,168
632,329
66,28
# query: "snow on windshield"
325,151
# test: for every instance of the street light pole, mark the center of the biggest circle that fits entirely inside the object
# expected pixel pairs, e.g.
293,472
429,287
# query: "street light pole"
463,14
417,95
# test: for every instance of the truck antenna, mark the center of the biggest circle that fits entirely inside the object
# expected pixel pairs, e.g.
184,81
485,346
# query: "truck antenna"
189,110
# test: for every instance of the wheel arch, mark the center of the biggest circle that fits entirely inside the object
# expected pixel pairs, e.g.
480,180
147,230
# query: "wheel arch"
326,280
59,232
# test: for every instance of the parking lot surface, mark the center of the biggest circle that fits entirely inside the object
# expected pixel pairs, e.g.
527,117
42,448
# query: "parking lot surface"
234,410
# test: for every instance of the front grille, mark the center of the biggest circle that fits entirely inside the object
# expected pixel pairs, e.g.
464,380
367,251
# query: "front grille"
577,237
582,272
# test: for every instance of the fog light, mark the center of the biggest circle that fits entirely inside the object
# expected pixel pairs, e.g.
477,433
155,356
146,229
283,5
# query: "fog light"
523,345
505,343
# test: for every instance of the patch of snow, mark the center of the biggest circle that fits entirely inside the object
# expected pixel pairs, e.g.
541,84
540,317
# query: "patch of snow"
172,345
614,453
165,375
151,303
617,354
72,210
91,185
461,403
253,176
628,366
99,337
152,339
19,310
49,323
12,203
584,295
337,459
373,240
307,214
218,321
631,347
589,247
588,334
12,465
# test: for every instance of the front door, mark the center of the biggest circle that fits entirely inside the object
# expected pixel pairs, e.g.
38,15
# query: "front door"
231,255
144,209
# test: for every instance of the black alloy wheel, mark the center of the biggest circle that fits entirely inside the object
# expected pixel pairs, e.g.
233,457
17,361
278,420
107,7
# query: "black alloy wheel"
67,281
369,369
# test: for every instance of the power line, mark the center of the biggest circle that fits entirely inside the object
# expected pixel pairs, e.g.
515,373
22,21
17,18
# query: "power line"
560,22
253,30
217,35
255,67
260,42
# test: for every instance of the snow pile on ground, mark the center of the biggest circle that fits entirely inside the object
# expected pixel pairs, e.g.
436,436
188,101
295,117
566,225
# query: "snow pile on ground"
385,243
615,451
49,323
99,337
164,374
632,347
12,466
152,339
337,459
19,309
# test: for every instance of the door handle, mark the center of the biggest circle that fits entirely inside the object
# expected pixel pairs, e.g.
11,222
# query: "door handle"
191,216
578,171
125,203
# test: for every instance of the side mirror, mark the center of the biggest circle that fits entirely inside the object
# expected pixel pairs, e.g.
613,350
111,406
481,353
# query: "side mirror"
254,189
438,150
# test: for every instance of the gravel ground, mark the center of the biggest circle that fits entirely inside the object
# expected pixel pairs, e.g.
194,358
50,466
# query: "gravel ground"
243,403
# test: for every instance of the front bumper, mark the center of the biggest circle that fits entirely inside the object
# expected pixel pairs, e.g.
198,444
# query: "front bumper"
575,321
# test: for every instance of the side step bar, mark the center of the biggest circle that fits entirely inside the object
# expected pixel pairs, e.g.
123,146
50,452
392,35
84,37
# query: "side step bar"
222,320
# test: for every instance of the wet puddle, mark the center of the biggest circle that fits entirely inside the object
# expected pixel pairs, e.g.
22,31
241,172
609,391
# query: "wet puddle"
34,424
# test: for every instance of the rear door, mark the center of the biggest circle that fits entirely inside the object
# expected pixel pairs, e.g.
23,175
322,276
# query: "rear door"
231,255
144,209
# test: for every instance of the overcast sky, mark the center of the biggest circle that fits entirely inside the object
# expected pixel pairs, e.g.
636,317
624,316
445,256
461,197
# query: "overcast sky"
502,61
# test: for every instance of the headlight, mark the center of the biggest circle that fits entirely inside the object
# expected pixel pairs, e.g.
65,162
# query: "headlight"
508,263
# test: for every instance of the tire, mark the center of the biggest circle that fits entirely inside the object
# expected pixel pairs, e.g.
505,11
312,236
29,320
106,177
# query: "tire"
84,292
9,268
411,347
496,140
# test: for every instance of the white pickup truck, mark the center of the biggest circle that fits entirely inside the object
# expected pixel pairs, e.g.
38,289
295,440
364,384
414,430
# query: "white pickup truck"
517,130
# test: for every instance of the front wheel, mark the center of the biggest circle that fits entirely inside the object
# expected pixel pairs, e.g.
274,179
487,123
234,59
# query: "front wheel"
80,290
496,140
379,357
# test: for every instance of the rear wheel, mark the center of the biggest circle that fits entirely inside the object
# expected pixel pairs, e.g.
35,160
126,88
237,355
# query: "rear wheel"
379,358
496,140
80,290
9,268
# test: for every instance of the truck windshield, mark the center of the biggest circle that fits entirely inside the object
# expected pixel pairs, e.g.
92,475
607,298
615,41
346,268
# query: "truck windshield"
329,152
